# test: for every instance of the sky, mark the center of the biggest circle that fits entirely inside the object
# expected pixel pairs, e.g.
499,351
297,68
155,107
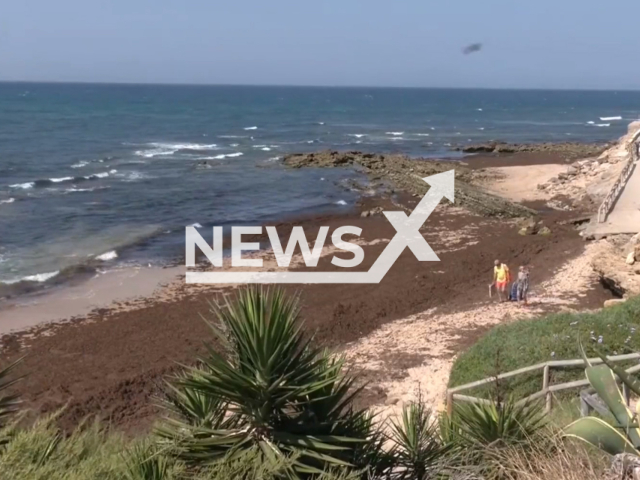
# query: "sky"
565,44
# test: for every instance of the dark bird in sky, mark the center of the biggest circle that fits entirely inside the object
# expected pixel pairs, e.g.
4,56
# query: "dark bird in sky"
474,47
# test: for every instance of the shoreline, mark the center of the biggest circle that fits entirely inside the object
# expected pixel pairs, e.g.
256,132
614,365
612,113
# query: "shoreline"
111,361
126,287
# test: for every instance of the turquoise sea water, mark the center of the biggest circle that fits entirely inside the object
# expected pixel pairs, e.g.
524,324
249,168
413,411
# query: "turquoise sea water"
96,176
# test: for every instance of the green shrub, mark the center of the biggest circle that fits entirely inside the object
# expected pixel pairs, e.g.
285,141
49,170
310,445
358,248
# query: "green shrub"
527,342
417,446
272,390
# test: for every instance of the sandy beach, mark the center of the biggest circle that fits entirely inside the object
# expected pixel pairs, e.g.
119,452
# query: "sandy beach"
103,347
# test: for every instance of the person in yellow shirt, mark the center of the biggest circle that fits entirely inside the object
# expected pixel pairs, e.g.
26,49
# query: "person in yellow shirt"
501,278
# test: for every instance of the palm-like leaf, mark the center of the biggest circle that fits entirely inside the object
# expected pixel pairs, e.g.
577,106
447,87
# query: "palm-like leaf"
272,390
493,423
418,446
144,462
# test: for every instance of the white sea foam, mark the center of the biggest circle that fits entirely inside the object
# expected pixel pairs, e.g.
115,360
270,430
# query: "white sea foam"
357,135
480,128
266,149
234,144
225,155
232,136
161,148
608,119
259,146
422,134
61,179
133,175
250,128
397,138
185,146
433,128
603,125
76,190
105,257
39,277
591,122
479,109
80,164
97,175
24,186
8,200
395,133
320,123
341,202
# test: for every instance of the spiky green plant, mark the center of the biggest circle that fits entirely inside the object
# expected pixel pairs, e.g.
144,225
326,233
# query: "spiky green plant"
272,390
417,445
493,423
624,435
144,461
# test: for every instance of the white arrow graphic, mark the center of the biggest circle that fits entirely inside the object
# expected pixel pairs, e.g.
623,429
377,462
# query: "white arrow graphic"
407,235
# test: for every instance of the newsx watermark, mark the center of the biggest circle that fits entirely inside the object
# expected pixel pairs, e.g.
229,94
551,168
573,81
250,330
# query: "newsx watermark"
407,236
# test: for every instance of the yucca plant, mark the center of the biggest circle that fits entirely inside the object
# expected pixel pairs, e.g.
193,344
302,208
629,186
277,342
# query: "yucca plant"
417,445
145,462
272,390
624,435
493,424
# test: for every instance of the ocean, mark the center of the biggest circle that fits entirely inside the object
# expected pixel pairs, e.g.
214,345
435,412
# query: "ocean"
95,177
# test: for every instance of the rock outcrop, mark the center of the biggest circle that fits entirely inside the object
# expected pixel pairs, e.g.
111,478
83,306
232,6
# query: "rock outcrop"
611,266
590,179
406,174
568,149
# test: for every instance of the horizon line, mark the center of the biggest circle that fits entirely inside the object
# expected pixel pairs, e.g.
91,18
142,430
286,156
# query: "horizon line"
254,85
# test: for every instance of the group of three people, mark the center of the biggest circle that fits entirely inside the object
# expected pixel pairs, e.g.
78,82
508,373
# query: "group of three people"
502,278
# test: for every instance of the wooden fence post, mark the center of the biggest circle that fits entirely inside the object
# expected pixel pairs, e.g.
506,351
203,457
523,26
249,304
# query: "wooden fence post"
545,387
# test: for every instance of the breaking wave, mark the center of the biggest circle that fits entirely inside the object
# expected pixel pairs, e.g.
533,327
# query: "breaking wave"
223,156
165,149
105,257
47,182
38,277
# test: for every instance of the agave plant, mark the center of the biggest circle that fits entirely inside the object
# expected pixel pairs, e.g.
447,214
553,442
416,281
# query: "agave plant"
271,390
623,437
417,446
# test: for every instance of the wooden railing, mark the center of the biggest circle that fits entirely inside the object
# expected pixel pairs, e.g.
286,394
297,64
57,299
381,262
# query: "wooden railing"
618,186
453,394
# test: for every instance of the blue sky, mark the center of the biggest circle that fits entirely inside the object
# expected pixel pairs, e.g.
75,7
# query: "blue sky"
526,44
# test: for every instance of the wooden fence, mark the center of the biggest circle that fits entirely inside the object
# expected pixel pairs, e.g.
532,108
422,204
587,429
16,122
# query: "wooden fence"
618,186
453,394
